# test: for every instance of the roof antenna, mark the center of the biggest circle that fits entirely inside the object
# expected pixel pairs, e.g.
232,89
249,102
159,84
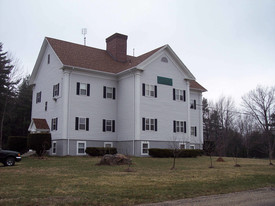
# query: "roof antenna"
133,52
84,32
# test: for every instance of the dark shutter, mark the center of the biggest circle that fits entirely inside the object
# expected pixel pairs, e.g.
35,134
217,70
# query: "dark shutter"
195,105
143,89
114,93
56,123
143,124
175,127
53,90
113,124
77,88
104,92
156,91
58,89
87,124
103,125
184,127
195,131
88,89
156,124
76,123
174,94
184,95
52,125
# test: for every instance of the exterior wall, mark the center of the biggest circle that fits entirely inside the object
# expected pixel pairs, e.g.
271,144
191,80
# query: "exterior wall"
48,75
164,108
125,108
94,107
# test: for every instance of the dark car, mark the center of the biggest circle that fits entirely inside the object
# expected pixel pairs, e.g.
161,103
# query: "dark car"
8,158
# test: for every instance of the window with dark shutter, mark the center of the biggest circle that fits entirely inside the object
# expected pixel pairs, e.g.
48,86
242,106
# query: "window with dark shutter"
184,127
143,124
113,122
114,93
174,94
77,88
175,127
87,124
184,95
156,125
156,91
103,125
195,105
143,89
104,92
88,89
76,123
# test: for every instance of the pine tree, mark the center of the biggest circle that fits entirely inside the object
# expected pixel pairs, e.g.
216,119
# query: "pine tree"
7,87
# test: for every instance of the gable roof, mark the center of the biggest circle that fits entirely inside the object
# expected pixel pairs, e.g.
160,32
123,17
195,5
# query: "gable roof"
76,55
38,125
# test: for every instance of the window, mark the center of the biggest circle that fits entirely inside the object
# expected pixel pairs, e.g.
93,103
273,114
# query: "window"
56,90
164,59
46,106
81,147
82,89
145,148
108,125
54,124
194,131
49,58
193,104
149,124
179,126
192,146
182,145
109,92
81,123
108,144
149,90
54,147
38,97
179,95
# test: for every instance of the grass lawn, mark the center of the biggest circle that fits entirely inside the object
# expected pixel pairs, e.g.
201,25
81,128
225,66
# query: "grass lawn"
78,181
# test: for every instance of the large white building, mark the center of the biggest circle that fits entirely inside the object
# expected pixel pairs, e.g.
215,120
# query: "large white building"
89,97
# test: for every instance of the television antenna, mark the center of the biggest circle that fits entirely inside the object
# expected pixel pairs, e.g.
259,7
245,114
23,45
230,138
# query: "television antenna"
84,32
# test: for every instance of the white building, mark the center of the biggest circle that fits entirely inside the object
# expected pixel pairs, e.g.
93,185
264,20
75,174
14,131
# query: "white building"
105,98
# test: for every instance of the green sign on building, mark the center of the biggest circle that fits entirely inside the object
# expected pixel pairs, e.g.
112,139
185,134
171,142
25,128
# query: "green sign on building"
165,81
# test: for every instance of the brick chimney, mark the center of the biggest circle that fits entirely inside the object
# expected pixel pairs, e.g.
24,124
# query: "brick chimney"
117,47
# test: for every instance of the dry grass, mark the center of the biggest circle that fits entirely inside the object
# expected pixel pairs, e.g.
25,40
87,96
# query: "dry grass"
78,181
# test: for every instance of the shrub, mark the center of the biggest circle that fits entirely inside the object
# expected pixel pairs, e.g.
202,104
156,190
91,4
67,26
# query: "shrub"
164,153
100,151
18,143
40,142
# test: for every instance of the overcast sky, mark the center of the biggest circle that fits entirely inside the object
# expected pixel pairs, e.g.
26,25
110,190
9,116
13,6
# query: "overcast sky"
229,45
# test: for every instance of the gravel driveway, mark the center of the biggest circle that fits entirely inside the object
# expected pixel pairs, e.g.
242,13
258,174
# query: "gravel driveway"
259,197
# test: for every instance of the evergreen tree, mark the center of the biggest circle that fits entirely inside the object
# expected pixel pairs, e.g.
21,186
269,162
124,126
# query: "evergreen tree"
7,88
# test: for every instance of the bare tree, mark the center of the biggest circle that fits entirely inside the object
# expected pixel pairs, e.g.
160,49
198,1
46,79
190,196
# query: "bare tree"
260,104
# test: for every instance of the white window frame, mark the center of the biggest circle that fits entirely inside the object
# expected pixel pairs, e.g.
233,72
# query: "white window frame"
109,92
108,143
179,126
79,123
192,146
38,97
180,144
149,90
77,147
83,89
54,147
108,125
56,90
179,94
54,125
149,124
145,142
193,131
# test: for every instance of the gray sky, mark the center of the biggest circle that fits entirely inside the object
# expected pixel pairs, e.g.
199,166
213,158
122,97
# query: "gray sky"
229,45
